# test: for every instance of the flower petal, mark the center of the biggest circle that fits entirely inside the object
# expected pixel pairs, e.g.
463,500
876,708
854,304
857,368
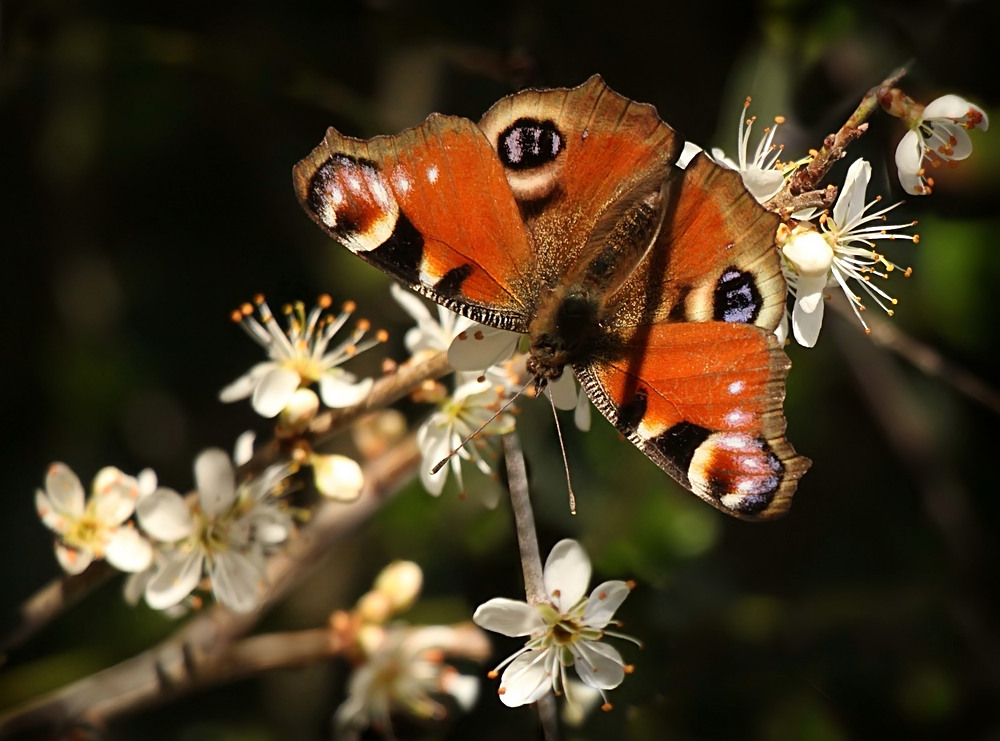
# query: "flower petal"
176,577
526,679
165,516
147,482
950,141
781,333
462,687
566,574
73,560
599,664
274,390
581,415
64,490
948,107
720,158
563,390
412,305
434,441
213,476
128,551
234,581
479,347
689,151
603,601
850,203
508,617
244,386
243,450
114,504
807,314
763,184
909,159
581,699
338,393
50,518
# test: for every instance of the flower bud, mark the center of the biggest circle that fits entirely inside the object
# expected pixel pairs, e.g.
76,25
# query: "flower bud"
337,477
401,582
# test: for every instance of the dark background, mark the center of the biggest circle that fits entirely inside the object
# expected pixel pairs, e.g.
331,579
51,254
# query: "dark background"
145,156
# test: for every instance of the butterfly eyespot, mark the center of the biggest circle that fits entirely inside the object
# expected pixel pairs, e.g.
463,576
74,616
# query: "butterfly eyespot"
739,471
736,297
532,152
529,143
349,196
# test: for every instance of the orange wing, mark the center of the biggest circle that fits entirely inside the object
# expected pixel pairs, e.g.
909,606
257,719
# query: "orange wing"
714,260
432,208
570,155
703,401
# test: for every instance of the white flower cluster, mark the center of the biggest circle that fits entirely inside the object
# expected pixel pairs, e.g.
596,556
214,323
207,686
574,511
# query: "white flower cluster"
826,249
400,668
215,538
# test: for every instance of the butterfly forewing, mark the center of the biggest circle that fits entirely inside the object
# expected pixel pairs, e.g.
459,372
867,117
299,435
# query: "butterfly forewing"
569,154
431,207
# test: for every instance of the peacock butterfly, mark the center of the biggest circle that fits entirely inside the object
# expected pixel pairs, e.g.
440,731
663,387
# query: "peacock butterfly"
563,216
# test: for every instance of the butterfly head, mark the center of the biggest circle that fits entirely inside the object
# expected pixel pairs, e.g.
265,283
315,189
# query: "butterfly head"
562,332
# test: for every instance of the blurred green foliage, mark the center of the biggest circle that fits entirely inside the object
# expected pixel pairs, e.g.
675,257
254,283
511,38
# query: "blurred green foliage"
146,190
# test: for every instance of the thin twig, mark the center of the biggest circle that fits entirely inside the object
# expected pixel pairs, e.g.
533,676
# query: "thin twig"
531,559
59,594
524,520
800,190
178,661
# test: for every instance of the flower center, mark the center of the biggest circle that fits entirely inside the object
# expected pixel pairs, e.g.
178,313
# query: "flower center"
305,365
565,632
86,532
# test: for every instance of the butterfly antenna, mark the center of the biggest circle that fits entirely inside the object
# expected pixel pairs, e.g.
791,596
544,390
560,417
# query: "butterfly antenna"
503,408
562,448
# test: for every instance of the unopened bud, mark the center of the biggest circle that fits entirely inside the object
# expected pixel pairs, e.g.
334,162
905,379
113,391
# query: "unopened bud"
337,477
401,582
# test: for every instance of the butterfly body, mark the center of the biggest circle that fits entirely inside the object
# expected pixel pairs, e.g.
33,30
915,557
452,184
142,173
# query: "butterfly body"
562,215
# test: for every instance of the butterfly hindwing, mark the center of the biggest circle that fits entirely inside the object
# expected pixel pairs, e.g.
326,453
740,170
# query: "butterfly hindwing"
703,401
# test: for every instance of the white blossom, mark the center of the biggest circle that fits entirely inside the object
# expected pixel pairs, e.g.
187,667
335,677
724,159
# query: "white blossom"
300,357
95,527
762,174
841,250
939,133
472,407
223,533
404,673
566,630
